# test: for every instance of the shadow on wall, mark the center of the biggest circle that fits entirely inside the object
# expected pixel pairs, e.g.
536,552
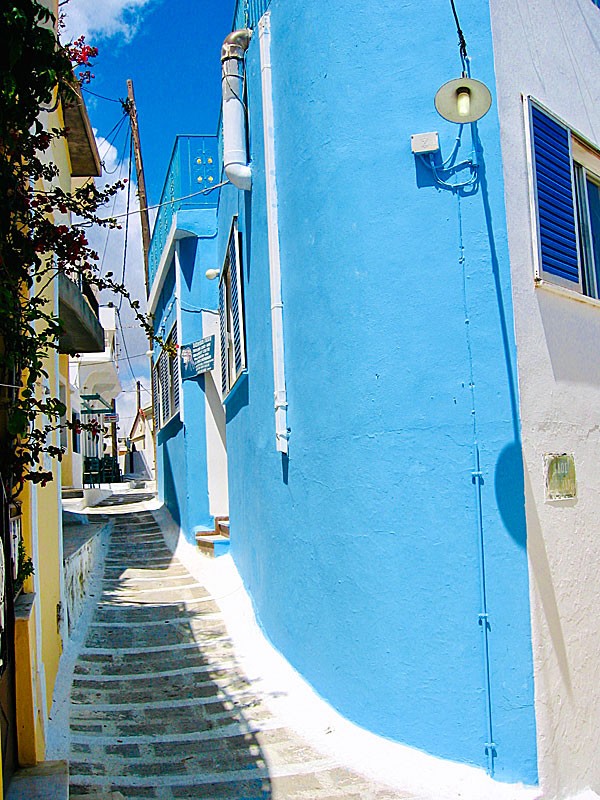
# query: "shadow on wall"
508,484
509,479
216,409
542,574
238,398
560,315
247,231
170,491
187,258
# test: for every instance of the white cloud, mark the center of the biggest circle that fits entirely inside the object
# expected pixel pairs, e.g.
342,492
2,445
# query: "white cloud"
103,19
111,251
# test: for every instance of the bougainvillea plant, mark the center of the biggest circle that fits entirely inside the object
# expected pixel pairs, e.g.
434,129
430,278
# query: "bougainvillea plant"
37,239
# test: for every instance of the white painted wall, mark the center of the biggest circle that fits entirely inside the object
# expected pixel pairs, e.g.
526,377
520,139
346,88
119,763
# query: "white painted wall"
77,459
550,49
216,449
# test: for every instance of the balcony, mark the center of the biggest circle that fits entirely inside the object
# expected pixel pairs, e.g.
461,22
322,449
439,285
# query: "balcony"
194,166
83,152
248,12
78,309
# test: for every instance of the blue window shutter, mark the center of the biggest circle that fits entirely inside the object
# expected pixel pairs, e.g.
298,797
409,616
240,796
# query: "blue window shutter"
155,392
164,387
555,197
223,331
235,303
175,371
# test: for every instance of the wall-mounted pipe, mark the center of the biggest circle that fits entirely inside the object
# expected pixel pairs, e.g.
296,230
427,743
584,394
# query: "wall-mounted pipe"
235,154
281,429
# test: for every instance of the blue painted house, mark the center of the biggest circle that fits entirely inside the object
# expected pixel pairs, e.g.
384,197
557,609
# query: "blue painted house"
411,446
189,418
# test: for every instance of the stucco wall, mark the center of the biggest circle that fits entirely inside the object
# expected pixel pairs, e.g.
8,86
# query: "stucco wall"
216,445
182,445
78,568
361,551
550,50
170,451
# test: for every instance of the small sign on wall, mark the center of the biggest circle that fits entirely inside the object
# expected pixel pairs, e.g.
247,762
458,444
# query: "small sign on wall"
197,357
561,483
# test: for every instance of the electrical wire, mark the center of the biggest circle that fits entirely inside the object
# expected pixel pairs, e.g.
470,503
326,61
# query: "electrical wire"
576,71
125,344
119,162
119,358
199,310
101,96
232,90
462,44
115,129
114,203
454,186
449,162
134,391
127,219
159,205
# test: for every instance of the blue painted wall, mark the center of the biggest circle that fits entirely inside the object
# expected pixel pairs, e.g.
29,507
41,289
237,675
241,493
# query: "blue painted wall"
361,552
181,444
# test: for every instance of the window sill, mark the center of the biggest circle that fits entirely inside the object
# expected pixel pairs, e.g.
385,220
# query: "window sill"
169,421
561,290
241,379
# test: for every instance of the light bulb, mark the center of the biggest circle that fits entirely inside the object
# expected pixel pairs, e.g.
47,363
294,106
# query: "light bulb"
463,102
211,274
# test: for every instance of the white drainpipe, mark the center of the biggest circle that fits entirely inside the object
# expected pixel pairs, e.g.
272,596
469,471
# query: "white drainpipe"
281,431
235,156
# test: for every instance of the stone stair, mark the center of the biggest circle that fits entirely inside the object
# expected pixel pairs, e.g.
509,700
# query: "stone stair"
71,494
213,543
49,780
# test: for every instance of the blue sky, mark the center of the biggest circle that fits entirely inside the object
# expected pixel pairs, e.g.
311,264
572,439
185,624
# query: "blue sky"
171,51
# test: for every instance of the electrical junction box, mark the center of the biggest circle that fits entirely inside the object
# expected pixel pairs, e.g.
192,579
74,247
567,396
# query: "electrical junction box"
424,142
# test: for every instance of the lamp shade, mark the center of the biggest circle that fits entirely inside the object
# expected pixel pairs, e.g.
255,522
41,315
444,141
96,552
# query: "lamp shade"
463,100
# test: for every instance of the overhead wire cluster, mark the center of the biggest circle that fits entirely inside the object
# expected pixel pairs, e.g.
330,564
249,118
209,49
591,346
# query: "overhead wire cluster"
126,154
124,123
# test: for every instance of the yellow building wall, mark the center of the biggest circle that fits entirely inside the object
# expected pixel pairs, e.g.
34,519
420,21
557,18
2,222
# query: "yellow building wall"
38,642
30,736
48,497
49,571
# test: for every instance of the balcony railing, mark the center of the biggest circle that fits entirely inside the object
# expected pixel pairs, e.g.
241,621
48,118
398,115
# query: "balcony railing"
194,167
248,12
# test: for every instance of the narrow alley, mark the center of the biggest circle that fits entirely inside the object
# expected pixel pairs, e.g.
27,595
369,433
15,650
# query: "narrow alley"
159,706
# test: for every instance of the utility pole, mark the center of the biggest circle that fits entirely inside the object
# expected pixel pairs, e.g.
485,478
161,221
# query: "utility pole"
141,182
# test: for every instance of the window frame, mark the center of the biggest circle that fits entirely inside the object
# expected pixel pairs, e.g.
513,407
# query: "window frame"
165,373
584,157
587,169
230,371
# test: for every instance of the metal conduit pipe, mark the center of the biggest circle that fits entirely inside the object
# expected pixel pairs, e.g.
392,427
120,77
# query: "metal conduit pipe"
235,155
280,398
490,747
